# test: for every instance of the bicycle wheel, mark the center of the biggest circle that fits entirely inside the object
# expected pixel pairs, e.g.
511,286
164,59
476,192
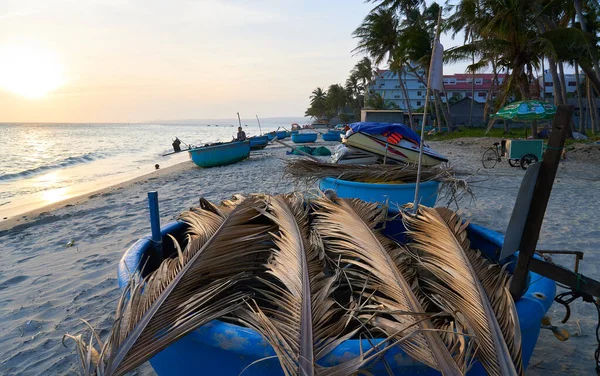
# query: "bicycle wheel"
490,158
513,162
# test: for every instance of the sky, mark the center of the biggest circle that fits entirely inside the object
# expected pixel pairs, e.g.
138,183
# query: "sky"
135,61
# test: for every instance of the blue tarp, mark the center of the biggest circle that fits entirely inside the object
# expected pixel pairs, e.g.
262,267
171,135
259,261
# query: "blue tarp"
380,128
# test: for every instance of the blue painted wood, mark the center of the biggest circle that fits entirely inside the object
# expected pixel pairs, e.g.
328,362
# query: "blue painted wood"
154,216
281,134
395,195
220,155
258,142
302,138
332,136
227,349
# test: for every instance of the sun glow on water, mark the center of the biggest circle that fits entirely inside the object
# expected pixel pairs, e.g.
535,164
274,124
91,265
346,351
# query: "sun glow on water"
55,195
29,72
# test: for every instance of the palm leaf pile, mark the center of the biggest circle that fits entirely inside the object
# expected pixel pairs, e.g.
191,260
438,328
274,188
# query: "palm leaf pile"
309,275
307,171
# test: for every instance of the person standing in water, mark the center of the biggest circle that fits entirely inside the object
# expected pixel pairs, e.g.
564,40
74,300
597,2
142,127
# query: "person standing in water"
176,144
241,135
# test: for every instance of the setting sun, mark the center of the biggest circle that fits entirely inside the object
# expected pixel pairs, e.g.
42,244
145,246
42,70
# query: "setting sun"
29,72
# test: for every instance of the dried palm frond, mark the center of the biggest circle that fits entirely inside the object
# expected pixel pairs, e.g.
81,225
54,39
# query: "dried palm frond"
495,280
441,247
305,324
306,171
183,295
346,235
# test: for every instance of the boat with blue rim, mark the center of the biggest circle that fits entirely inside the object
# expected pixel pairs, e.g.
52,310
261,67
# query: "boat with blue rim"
220,154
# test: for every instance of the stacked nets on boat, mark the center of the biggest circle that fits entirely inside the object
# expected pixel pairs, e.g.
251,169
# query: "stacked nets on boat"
309,275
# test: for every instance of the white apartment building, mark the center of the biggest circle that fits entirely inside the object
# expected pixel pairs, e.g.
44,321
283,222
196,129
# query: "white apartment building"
387,85
547,83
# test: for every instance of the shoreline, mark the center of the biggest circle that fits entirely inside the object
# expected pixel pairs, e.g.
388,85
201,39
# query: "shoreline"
30,217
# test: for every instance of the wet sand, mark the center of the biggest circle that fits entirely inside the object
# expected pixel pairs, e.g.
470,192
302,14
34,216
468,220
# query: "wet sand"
46,286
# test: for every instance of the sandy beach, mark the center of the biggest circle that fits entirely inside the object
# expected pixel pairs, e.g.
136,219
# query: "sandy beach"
46,286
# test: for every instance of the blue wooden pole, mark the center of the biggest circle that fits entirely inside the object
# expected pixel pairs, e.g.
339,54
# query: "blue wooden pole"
155,220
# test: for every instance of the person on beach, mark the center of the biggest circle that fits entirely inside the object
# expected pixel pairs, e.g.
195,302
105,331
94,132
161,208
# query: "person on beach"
176,145
241,135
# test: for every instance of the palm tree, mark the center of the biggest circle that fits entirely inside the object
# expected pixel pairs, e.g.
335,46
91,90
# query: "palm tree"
520,33
365,72
378,38
318,106
377,102
354,93
505,29
335,99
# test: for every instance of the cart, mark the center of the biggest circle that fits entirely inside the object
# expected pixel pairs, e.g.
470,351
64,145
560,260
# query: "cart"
524,152
518,152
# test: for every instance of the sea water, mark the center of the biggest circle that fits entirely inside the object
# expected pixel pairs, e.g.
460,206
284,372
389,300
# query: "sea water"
44,163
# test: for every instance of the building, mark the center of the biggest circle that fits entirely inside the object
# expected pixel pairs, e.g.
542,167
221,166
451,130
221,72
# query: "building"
584,111
458,86
388,86
547,83
461,111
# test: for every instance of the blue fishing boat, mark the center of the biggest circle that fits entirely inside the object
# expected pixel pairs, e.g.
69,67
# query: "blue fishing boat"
258,142
395,195
281,134
302,138
220,154
228,349
332,135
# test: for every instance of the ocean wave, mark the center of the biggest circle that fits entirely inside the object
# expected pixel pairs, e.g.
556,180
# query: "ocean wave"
67,162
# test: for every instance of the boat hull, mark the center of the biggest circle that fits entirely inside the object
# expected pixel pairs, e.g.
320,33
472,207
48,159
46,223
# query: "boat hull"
281,134
221,348
405,151
220,155
332,136
394,195
258,142
303,138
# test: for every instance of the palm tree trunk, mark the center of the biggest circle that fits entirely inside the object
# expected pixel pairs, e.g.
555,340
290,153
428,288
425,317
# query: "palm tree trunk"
591,107
525,94
472,88
437,112
594,78
445,113
563,82
543,95
555,82
451,126
490,95
406,100
579,101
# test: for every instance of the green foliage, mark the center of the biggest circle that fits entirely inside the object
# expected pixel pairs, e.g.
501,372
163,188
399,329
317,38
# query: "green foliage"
377,102
337,98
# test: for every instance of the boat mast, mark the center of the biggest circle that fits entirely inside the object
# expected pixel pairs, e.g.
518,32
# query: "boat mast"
259,128
424,122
